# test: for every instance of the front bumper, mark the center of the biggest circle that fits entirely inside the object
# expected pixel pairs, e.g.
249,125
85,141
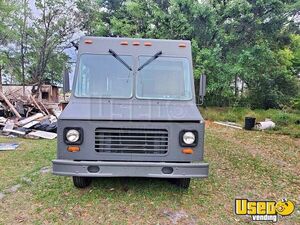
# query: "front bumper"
129,169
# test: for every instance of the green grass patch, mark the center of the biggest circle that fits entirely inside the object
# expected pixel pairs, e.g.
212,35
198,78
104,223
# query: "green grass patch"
30,157
286,122
234,172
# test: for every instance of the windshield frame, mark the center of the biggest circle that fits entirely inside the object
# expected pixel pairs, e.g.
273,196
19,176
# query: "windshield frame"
134,73
77,75
190,80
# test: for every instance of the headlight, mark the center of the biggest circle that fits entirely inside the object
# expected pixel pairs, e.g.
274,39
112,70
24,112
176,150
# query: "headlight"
189,138
72,135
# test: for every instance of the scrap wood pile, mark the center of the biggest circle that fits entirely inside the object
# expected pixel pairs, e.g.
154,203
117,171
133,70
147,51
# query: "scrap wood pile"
27,117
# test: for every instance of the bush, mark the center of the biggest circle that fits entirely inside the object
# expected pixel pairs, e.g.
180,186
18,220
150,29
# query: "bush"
296,103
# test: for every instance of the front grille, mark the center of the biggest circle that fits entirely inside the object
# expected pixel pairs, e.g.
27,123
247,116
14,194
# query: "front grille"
131,140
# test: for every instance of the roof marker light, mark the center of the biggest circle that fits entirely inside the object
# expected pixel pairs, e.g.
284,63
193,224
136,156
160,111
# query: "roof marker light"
88,41
135,43
124,43
182,45
148,44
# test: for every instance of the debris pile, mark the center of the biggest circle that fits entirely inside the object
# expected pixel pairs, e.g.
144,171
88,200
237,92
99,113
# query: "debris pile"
265,125
27,117
249,125
229,124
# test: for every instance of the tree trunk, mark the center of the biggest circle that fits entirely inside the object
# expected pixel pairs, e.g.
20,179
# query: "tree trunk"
23,43
23,68
1,89
235,86
242,87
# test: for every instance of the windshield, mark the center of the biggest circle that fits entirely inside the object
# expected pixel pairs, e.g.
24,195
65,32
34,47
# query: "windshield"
164,78
104,76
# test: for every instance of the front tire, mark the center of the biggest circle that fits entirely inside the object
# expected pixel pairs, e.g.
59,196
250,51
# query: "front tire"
82,182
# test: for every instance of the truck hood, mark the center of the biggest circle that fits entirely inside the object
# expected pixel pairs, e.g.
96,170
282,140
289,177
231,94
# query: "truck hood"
95,109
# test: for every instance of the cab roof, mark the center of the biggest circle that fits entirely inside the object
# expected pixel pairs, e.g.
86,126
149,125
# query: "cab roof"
134,46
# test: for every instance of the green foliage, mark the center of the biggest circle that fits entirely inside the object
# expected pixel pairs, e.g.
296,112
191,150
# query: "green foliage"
296,103
6,10
218,74
35,51
252,41
50,33
268,77
249,50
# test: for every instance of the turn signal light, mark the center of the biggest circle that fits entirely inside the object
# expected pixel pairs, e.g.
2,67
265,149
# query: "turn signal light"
182,45
187,151
73,148
148,44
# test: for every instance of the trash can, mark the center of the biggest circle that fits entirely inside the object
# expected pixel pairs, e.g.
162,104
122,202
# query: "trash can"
249,123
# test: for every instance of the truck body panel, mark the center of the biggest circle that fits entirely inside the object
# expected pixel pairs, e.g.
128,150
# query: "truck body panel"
138,133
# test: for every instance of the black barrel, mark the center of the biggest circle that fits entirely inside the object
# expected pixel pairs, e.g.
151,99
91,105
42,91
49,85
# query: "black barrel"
249,123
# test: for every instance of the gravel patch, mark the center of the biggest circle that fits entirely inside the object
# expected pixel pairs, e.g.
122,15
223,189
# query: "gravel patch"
45,170
176,216
2,195
13,188
27,180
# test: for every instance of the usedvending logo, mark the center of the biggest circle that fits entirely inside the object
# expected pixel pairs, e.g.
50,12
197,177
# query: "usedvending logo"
264,210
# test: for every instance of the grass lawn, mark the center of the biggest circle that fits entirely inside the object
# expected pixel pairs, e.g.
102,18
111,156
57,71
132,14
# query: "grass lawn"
287,123
254,165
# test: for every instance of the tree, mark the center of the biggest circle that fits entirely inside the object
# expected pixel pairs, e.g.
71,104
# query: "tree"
32,47
21,26
51,34
7,8
232,40
92,22
256,42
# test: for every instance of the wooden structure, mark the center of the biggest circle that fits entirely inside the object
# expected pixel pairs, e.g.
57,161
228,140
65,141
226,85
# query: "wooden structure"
48,94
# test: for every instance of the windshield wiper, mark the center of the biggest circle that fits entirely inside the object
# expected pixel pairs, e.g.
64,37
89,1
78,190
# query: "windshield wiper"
150,60
114,54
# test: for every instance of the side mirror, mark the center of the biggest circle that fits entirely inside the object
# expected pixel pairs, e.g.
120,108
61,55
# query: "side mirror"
202,86
66,81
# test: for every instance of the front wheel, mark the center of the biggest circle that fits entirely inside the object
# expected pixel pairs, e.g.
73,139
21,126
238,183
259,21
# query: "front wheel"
183,183
82,182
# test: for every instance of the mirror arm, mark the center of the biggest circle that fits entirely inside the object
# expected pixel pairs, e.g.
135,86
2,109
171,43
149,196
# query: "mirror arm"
201,100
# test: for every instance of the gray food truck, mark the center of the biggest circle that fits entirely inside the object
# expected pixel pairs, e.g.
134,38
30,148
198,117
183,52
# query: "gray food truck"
132,113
